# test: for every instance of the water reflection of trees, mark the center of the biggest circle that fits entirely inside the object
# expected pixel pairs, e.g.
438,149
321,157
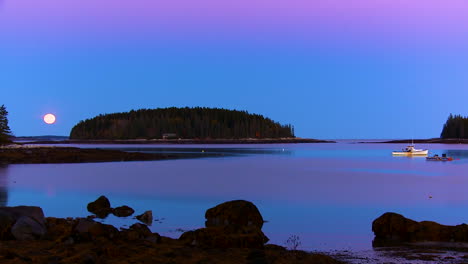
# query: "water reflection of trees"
3,185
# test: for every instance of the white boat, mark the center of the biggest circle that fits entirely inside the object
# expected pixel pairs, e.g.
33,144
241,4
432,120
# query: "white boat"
410,151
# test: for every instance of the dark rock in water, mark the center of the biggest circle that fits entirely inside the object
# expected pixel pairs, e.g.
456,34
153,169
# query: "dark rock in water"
101,207
392,229
234,224
234,213
27,228
146,217
123,211
101,203
102,213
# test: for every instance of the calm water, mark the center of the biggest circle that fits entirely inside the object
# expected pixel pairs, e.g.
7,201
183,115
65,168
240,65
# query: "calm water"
327,194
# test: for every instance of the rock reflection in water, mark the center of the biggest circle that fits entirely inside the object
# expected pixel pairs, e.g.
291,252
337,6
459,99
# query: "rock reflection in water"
3,185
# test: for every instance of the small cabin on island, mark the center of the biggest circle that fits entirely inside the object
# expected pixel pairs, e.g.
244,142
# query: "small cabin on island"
169,136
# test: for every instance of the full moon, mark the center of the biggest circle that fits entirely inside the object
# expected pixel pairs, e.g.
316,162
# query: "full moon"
49,119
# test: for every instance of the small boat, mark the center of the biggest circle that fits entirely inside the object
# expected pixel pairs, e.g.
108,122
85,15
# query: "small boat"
438,158
410,151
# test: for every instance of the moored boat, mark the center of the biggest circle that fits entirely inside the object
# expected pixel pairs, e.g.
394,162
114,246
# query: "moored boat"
410,151
438,158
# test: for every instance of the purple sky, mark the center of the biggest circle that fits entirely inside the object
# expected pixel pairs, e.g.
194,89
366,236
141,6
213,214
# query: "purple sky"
382,19
375,67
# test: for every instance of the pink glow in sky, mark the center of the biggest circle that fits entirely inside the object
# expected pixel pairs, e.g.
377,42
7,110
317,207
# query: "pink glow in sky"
447,18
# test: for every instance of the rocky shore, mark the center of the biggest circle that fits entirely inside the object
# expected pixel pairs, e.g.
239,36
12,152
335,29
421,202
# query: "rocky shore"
185,141
232,235
18,154
392,229
402,240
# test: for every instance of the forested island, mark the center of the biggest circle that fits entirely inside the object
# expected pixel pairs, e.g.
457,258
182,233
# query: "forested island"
183,123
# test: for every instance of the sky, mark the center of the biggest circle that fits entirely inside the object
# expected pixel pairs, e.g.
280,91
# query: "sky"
335,69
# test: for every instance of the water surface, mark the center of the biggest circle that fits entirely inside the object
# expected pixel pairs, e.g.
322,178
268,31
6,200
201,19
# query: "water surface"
327,194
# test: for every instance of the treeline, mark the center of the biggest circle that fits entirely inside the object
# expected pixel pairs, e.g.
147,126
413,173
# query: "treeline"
187,123
5,132
456,126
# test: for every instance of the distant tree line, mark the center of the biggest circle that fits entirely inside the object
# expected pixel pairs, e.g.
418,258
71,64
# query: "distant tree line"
189,123
456,126
5,132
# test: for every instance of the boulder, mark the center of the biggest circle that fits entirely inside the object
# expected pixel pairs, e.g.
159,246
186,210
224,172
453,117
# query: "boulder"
16,212
233,224
103,231
101,207
27,228
31,226
392,229
146,217
140,232
234,213
123,211
83,225
87,229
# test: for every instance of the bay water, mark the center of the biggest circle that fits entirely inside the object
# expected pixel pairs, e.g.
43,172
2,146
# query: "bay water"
327,194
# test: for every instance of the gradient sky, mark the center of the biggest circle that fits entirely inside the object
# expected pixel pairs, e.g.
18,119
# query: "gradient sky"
332,68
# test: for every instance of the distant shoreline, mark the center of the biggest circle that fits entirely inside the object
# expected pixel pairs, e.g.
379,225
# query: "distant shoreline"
23,154
32,152
425,141
183,141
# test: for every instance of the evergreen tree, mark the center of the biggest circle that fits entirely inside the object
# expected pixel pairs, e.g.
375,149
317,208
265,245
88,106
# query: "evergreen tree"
456,126
5,132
